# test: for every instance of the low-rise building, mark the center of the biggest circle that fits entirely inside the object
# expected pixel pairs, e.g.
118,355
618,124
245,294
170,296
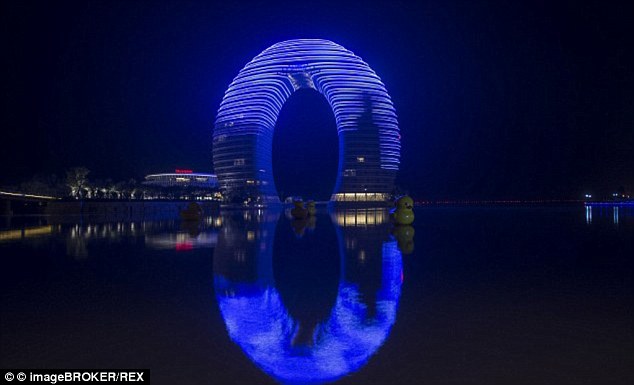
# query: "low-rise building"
182,178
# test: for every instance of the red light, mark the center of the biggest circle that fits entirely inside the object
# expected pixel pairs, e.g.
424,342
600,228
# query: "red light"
183,171
184,246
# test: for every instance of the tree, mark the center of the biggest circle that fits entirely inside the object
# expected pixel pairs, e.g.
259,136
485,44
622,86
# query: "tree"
133,189
77,180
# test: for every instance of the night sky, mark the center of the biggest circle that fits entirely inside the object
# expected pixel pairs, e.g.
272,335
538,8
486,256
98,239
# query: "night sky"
495,100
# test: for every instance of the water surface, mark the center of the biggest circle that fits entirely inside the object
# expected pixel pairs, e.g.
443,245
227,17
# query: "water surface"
467,295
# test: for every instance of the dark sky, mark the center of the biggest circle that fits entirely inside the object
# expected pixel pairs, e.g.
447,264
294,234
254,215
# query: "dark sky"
495,100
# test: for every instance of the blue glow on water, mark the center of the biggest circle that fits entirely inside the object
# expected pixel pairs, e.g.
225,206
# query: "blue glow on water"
257,320
588,214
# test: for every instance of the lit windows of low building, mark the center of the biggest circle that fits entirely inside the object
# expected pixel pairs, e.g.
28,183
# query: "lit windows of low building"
182,178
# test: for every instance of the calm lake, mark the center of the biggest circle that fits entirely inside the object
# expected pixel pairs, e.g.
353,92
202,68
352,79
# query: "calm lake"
467,295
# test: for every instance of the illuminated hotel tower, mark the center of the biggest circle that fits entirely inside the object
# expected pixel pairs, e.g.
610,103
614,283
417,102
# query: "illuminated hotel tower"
369,139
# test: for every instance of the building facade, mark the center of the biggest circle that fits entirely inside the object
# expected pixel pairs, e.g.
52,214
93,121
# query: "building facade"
182,178
369,139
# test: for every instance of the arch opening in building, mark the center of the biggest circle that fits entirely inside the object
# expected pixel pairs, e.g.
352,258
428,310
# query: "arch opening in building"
369,139
305,148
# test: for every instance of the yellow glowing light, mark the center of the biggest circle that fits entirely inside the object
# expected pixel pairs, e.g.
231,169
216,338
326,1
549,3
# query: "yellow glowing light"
12,235
28,195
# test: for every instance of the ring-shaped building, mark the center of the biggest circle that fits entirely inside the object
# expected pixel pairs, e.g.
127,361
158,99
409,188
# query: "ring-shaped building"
367,126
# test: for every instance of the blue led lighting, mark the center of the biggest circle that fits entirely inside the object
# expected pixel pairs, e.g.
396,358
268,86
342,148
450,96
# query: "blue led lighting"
259,323
255,97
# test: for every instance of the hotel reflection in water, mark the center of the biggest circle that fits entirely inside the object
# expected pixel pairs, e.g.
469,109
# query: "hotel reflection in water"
258,320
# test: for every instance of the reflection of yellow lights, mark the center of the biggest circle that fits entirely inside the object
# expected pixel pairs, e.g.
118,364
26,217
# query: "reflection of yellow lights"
362,255
361,217
12,235
250,235
350,218
33,232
